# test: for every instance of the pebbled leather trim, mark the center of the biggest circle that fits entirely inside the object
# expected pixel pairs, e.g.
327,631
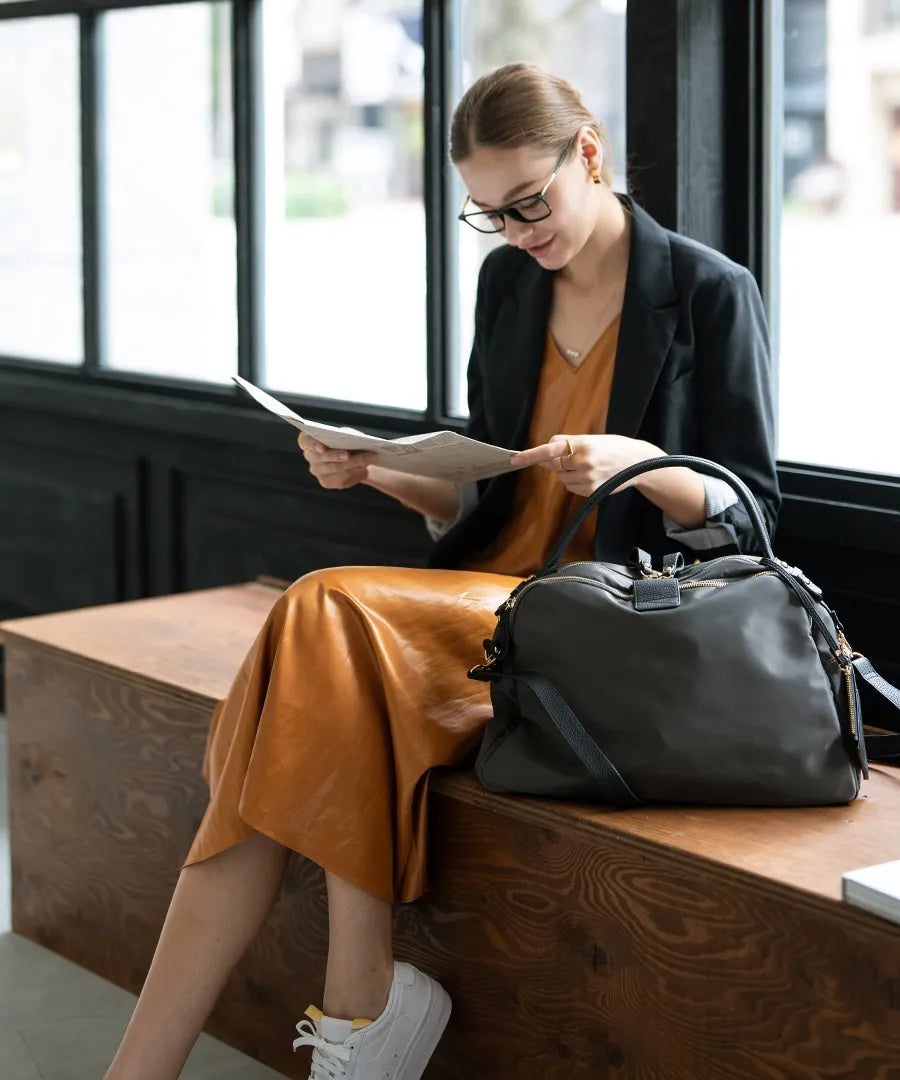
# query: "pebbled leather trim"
656,594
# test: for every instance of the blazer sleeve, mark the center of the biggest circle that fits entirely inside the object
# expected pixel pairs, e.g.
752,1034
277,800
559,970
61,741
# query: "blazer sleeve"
736,425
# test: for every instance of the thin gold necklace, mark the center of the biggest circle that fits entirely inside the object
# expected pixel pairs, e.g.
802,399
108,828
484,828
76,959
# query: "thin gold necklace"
576,354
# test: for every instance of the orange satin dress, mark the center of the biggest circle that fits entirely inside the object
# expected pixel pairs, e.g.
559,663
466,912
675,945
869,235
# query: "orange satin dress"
356,685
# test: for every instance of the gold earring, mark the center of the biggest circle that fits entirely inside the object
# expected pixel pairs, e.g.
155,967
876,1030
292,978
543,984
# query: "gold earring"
595,176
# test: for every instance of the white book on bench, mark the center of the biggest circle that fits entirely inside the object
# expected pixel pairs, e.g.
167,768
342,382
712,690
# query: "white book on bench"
875,888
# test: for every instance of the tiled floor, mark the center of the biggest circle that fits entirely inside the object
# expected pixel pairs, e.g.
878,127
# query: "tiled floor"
60,1022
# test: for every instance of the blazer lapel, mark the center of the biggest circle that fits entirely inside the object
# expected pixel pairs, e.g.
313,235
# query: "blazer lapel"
517,352
649,318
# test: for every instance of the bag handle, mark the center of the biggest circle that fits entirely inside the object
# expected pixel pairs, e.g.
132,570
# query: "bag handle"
701,465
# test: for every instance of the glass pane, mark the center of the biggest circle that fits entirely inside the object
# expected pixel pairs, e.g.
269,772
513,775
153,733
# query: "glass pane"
552,34
170,266
345,222
840,235
40,190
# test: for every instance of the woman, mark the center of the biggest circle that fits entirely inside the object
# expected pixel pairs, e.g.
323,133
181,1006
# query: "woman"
600,340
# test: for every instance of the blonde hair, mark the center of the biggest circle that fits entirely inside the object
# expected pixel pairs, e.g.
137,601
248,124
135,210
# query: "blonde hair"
522,105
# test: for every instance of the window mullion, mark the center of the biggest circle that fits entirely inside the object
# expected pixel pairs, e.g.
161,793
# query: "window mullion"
249,211
437,247
772,112
93,200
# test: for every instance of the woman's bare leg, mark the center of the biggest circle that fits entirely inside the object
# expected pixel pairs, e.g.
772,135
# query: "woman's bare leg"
360,956
218,907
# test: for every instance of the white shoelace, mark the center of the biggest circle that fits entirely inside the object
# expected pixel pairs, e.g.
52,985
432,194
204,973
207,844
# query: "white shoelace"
328,1057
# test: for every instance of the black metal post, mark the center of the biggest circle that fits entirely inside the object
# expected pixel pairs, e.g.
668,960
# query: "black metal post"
93,189
249,185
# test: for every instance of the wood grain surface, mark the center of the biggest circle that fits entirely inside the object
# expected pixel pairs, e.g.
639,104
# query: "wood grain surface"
192,643
784,849
106,794
654,944
570,956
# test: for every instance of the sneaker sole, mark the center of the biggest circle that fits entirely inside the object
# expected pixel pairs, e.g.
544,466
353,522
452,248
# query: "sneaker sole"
420,1052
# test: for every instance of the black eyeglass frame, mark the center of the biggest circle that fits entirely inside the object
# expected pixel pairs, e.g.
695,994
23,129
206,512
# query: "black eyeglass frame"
510,209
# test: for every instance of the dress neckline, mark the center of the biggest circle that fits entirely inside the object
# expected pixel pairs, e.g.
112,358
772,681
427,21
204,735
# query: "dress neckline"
595,348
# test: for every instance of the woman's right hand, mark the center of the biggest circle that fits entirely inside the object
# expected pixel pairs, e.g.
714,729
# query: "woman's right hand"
335,469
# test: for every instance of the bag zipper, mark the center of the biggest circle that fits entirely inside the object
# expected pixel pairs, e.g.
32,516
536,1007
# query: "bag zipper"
753,560
851,703
845,659
589,562
513,602
720,583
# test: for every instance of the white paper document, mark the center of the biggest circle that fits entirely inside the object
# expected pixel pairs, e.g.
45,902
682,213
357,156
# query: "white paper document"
875,888
443,454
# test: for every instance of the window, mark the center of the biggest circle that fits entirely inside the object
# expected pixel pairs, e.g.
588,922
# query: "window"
550,33
335,264
40,190
345,218
839,376
882,15
169,263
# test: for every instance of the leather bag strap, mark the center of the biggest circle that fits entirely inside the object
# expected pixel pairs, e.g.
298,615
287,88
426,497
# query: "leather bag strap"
615,791
700,465
879,747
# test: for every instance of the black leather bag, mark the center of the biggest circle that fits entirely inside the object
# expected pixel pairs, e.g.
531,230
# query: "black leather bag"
727,682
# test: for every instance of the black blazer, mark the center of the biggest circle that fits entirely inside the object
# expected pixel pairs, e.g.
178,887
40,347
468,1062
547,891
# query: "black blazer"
692,375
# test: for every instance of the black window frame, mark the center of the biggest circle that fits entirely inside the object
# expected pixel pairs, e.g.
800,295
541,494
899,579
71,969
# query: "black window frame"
700,155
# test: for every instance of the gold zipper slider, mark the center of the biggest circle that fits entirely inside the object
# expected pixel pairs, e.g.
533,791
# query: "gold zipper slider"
844,655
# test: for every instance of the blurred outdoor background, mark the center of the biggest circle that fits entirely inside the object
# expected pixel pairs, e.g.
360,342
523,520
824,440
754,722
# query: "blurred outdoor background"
344,236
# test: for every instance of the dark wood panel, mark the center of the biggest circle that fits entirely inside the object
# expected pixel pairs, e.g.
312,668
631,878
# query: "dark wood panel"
863,587
841,488
72,516
862,528
65,546
235,527
869,575
191,511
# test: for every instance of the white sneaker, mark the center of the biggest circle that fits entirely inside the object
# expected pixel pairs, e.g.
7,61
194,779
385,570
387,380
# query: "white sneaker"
396,1046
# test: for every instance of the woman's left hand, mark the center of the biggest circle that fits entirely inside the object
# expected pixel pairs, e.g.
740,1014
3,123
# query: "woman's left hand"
584,462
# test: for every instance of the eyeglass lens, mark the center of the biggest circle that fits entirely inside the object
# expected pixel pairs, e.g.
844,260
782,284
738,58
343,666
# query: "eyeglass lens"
533,208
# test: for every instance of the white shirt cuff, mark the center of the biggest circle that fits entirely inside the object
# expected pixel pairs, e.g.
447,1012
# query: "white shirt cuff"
468,498
719,496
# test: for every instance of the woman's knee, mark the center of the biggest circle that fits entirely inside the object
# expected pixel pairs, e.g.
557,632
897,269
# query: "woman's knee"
317,585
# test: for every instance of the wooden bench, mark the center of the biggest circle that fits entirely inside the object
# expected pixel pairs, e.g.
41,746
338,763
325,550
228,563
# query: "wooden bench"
653,944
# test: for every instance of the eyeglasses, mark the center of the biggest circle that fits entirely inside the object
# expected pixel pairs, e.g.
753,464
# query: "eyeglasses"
525,210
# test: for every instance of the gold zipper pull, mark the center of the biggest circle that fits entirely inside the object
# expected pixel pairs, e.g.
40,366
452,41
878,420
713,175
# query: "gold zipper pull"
845,654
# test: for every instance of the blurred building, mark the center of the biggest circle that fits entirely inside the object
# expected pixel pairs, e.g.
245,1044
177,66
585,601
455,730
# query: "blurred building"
842,105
